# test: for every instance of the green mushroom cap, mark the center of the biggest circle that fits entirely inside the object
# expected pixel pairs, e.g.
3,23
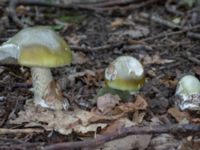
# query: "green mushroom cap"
39,47
188,85
125,73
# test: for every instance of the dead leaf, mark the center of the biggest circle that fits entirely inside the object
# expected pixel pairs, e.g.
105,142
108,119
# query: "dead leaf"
190,144
164,142
79,58
63,122
138,117
119,22
169,82
155,59
196,70
131,142
139,104
88,76
73,76
107,102
127,143
118,125
178,115
134,34
195,120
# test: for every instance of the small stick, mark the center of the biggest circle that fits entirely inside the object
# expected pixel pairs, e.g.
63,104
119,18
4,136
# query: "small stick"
193,35
13,15
93,49
174,128
161,21
171,33
170,9
16,131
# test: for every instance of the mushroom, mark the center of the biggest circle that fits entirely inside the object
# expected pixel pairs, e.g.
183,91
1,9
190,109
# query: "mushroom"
39,48
188,93
123,77
125,73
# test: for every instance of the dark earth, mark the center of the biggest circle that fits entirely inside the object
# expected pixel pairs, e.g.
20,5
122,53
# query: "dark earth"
163,35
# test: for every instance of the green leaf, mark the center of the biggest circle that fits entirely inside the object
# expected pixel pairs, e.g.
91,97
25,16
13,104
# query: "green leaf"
188,3
124,95
72,18
57,27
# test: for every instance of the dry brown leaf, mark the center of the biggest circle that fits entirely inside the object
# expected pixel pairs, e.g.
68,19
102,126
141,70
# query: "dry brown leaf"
139,142
138,117
196,70
195,120
79,58
128,143
139,104
118,125
136,33
190,144
107,102
60,121
169,83
178,115
73,76
119,22
88,76
155,59
164,142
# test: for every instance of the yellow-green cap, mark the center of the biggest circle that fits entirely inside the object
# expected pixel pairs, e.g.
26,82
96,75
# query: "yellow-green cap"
125,73
41,47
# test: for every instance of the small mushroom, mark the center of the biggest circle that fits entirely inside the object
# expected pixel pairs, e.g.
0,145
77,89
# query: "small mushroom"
125,73
188,93
39,48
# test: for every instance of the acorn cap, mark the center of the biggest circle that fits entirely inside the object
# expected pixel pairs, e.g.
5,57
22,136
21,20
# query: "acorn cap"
125,73
40,47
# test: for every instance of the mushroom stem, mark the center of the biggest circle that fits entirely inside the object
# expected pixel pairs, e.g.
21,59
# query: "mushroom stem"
41,78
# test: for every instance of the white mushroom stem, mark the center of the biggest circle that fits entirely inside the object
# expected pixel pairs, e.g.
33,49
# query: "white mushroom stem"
41,78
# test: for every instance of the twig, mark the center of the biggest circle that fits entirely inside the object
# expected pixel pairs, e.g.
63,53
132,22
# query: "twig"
172,9
12,13
16,131
161,21
171,33
14,3
104,47
112,3
128,7
137,47
23,146
193,35
98,7
189,56
175,128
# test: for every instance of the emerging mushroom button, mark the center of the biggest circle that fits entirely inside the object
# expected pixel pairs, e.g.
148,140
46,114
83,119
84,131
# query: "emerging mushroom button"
125,73
40,48
188,93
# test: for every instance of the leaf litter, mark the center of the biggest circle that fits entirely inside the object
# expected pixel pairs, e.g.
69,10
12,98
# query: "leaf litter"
78,120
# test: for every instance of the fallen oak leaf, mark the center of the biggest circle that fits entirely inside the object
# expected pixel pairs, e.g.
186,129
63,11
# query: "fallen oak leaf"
178,115
139,104
79,58
63,122
155,59
121,110
107,102
127,143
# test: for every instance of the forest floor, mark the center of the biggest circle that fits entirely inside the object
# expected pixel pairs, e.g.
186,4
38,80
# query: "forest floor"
163,35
